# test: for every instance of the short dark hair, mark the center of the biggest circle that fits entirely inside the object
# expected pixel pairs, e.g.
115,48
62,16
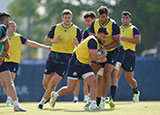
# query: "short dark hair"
90,14
66,11
125,13
3,15
103,9
103,30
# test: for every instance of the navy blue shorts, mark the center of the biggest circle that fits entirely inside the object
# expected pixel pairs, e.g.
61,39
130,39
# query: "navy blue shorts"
57,62
3,67
121,55
129,61
13,67
60,69
77,70
112,56
102,64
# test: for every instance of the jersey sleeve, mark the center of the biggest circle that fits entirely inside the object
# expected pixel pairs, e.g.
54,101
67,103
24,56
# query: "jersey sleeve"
92,44
85,35
92,32
3,35
115,30
51,32
23,40
136,32
79,34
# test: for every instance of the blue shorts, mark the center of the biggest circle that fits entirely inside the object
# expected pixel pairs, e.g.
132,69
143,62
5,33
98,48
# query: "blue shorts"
3,67
57,62
121,55
102,64
13,67
60,69
77,70
112,56
129,61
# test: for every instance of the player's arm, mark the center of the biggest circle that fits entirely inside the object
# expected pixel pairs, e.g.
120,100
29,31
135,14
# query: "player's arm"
115,36
91,31
33,43
37,45
85,35
136,39
5,49
92,45
4,40
78,38
49,38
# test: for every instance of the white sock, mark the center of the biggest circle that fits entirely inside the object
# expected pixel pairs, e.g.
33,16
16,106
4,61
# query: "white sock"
93,103
15,103
103,99
56,95
43,100
75,98
8,98
86,97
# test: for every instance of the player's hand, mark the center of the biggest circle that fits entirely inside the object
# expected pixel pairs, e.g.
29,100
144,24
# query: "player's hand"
123,38
48,47
8,56
75,41
57,39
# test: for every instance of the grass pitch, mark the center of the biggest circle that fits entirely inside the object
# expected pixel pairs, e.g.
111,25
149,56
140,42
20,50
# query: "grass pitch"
70,108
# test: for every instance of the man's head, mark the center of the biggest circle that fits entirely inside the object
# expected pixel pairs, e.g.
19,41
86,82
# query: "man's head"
12,26
89,17
103,14
126,17
102,35
4,18
66,17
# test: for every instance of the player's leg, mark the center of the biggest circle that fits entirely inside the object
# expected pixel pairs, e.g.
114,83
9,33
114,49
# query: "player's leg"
133,84
11,91
86,91
76,91
99,85
55,79
93,87
95,67
9,99
46,79
129,65
105,85
71,84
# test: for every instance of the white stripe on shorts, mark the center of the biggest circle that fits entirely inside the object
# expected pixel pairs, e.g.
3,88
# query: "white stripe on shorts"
84,76
72,78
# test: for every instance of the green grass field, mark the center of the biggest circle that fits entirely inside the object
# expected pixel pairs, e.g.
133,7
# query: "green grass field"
70,108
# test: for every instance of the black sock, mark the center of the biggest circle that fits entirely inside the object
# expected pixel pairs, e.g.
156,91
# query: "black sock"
98,100
113,91
135,90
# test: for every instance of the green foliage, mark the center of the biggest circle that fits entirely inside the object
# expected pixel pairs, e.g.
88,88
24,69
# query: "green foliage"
144,16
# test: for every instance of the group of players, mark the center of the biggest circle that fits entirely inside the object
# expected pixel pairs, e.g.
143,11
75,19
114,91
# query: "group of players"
78,58
98,56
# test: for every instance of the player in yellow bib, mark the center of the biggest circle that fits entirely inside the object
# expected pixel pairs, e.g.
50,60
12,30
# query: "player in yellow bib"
79,66
16,40
64,37
111,46
89,17
5,74
130,37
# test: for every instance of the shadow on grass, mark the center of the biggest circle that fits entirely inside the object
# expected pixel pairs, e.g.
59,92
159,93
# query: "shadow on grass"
64,110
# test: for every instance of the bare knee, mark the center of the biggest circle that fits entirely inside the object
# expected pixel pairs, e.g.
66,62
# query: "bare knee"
93,83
